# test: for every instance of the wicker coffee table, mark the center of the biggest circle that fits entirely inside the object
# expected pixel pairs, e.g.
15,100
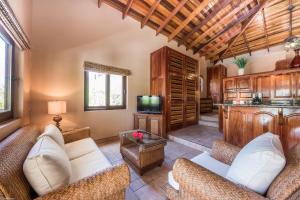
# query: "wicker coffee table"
143,154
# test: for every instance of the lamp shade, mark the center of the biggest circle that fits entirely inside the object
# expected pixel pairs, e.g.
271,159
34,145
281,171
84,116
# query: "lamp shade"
57,107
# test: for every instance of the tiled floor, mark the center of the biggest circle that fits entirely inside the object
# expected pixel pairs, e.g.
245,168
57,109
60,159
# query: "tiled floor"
198,134
150,186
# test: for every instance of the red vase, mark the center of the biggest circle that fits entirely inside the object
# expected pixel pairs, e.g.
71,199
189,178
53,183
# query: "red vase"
296,61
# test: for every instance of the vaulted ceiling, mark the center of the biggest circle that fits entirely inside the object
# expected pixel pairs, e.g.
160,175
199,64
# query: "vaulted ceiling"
216,29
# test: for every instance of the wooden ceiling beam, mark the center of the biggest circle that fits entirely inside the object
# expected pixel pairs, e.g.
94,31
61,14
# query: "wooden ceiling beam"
172,14
290,9
262,4
223,40
226,19
216,52
127,8
232,53
216,49
215,10
265,29
259,47
151,11
200,7
228,27
259,34
246,43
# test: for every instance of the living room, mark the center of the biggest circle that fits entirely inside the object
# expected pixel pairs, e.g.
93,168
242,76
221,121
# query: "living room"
113,99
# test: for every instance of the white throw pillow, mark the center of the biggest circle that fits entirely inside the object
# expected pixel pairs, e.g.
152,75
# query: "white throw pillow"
258,163
53,132
47,166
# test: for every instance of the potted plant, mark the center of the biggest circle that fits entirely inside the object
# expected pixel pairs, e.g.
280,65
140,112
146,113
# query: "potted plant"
241,63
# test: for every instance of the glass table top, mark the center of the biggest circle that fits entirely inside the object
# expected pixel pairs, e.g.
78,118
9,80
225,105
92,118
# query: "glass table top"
148,139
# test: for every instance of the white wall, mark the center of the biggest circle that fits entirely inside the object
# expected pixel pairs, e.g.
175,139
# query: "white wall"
259,61
68,32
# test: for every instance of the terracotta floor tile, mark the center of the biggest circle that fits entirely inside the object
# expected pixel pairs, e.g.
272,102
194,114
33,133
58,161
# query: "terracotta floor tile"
134,176
152,185
150,192
130,195
137,184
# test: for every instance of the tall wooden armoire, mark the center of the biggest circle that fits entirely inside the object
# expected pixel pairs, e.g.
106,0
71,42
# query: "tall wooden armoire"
174,76
215,77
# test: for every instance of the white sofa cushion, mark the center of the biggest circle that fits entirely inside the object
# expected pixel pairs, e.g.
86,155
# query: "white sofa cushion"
80,148
88,165
172,182
258,163
53,132
206,161
213,165
47,166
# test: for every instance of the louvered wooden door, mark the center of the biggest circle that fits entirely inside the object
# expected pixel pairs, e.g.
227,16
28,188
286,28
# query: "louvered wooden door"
174,77
190,105
175,110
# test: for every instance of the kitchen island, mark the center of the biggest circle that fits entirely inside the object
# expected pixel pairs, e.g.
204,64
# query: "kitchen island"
242,123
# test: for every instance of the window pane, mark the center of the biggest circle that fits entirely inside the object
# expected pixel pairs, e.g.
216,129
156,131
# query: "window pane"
97,89
116,90
3,106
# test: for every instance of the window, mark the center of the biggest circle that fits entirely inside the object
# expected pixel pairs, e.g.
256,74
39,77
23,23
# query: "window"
6,57
104,91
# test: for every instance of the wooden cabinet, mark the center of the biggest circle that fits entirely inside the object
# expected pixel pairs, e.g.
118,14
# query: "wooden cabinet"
229,85
242,124
244,88
291,128
296,81
215,77
206,105
229,89
231,95
263,85
235,129
140,121
174,76
281,85
240,88
150,122
158,73
244,84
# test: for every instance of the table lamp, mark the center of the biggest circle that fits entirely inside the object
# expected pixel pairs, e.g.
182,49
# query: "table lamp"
57,108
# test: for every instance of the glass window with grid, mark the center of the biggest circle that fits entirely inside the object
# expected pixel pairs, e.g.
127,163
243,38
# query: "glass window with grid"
104,91
6,62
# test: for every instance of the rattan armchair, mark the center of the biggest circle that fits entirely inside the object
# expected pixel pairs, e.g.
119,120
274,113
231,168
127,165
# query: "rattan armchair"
196,182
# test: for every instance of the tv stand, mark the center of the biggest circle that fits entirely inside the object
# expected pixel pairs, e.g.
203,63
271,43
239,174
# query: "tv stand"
153,123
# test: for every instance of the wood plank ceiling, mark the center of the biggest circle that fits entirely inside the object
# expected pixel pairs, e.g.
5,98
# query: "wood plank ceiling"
216,29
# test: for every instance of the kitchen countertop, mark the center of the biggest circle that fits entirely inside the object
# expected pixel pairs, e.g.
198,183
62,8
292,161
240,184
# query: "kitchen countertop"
260,106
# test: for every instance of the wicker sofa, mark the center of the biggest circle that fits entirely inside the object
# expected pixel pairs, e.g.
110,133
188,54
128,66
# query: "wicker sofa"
108,184
196,182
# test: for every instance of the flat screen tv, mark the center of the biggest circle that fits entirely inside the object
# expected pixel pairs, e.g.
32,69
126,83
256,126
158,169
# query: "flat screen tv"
149,104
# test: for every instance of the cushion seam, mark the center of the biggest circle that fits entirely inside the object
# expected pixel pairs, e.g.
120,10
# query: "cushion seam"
37,163
82,155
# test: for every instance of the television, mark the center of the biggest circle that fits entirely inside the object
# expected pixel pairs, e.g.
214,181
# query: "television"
149,104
